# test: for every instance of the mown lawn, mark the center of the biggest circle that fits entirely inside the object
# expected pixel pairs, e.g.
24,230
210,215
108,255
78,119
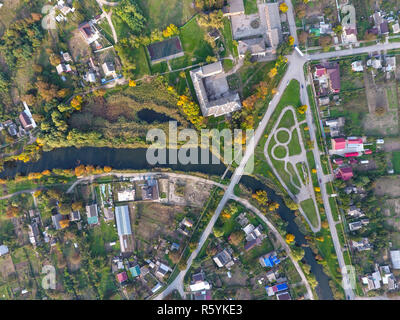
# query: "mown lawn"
250,6
160,14
310,211
396,161
195,47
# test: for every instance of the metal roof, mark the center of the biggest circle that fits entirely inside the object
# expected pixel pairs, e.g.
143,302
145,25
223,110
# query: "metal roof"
123,220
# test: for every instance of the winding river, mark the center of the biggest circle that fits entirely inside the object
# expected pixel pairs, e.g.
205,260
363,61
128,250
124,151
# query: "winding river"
135,159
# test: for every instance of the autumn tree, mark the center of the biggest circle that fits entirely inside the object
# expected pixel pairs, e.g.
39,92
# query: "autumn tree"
174,256
283,7
218,232
236,237
261,197
289,238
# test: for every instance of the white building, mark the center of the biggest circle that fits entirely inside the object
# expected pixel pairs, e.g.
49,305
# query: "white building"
395,256
357,66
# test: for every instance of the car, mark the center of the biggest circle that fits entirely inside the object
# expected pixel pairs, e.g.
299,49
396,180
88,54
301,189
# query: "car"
302,86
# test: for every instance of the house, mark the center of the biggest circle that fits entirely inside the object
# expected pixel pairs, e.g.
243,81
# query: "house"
135,271
109,69
269,260
66,57
126,195
174,246
276,288
61,68
165,50
122,277
202,295
11,127
323,101
252,243
283,296
150,190
328,77
357,66
199,283
235,7
162,270
345,173
390,64
338,161
273,25
223,259
396,28
187,223
361,245
108,214
374,63
75,216
212,90
355,212
92,214
256,47
3,250
353,226
89,32
349,35
33,233
59,221
395,257
25,121
90,76
381,24
124,228
350,147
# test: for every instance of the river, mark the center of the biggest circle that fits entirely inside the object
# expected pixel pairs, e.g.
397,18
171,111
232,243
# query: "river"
135,159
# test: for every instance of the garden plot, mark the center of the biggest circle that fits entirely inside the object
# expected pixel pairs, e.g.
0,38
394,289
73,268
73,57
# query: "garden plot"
383,108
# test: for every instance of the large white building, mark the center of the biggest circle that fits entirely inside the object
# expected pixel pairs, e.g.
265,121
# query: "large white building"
213,92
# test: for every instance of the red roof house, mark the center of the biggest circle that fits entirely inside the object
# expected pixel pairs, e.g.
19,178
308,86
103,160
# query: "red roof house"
338,161
355,141
338,143
334,77
352,154
367,151
345,173
122,277
320,71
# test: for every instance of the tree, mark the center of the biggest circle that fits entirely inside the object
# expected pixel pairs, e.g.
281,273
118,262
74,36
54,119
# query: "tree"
272,73
297,253
291,40
236,237
76,102
78,205
130,13
182,265
218,232
325,224
289,238
261,197
283,7
325,42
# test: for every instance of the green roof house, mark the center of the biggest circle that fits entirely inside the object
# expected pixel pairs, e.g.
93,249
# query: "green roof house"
92,214
135,271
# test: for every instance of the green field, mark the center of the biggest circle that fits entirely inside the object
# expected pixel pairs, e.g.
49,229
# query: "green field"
250,6
160,14
195,47
310,211
396,161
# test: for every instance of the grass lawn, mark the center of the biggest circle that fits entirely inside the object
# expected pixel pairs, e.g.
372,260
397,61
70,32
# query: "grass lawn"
332,202
121,28
195,48
282,136
280,152
294,145
142,64
160,14
396,161
228,38
250,6
310,211
287,120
